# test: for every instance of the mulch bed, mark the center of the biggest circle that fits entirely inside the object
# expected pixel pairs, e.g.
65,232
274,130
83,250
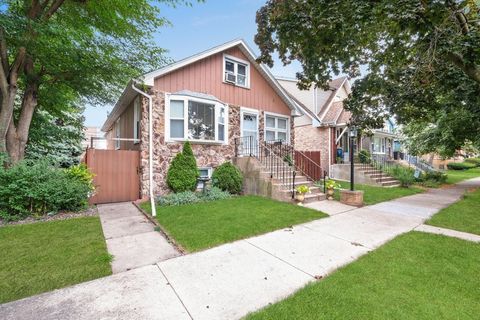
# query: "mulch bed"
90,212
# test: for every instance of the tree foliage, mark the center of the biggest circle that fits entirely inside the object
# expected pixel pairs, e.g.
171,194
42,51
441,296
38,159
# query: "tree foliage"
422,60
56,137
84,51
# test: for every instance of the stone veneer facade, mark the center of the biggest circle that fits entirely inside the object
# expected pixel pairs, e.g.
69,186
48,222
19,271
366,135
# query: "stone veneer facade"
207,155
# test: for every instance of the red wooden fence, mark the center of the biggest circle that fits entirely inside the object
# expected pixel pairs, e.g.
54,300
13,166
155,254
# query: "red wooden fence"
116,175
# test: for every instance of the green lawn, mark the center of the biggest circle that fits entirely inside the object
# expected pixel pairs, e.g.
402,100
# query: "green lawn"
415,276
454,176
376,194
44,256
204,225
463,215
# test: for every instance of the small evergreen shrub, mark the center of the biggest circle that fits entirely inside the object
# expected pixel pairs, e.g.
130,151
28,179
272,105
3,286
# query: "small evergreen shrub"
475,161
460,165
33,187
182,174
228,177
364,156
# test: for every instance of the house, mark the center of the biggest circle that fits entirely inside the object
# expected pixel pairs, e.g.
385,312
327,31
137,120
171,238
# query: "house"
211,99
323,127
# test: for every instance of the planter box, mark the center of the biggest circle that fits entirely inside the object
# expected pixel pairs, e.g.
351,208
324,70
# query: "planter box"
351,198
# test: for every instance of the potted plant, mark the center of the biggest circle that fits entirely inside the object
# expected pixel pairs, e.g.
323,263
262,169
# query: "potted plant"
300,193
330,186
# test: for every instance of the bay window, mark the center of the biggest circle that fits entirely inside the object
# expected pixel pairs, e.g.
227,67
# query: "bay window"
196,119
276,128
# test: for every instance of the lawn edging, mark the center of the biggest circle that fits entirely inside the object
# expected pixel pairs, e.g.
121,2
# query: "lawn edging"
161,229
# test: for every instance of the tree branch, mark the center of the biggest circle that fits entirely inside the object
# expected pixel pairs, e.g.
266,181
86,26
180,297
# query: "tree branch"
470,69
3,50
17,64
53,8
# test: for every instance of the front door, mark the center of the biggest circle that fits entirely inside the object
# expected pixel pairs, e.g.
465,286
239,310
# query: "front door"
249,133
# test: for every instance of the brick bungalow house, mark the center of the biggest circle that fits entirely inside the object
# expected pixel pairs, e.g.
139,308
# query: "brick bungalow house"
324,125
209,99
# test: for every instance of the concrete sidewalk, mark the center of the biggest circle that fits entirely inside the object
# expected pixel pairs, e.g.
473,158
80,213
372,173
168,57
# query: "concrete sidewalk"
131,238
231,280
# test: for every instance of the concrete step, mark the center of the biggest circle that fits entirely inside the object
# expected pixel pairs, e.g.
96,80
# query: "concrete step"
385,179
312,197
393,183
297,183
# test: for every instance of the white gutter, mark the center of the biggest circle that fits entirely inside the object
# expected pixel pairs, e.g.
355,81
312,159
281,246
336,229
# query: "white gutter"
150,148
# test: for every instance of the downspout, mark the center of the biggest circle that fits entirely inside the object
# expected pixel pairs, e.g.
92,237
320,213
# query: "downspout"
150,148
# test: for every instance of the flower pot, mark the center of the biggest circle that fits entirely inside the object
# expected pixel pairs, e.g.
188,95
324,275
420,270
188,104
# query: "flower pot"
300,197
330,193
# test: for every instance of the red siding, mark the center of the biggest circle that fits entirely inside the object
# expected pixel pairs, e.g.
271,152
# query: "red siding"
206,76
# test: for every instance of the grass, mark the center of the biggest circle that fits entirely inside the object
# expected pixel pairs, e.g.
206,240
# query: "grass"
463,215
44,256
415,276
204,225
455,176
376,194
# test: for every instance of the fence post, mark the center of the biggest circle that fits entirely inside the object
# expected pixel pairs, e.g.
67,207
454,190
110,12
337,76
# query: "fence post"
293,184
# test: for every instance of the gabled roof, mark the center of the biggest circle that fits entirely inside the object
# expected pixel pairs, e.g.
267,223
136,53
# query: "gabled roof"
149,78
335,86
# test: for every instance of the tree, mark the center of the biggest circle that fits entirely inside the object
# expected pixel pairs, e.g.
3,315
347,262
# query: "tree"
56,137
85,50
423,59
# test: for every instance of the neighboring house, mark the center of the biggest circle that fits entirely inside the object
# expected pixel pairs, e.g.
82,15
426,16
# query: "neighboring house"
210,99
324,125
97,135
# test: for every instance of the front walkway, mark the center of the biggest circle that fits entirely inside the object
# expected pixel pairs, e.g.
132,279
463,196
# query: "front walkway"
131,238
231,280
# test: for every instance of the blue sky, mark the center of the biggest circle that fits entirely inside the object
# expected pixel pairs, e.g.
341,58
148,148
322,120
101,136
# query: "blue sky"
200,27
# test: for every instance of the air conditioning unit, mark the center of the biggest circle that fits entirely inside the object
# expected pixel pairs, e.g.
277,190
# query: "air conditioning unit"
230,77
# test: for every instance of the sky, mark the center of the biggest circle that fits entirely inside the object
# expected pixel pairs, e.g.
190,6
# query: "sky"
198,28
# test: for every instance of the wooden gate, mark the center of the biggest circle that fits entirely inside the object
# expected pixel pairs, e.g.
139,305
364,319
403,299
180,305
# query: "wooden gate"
309,163
116,172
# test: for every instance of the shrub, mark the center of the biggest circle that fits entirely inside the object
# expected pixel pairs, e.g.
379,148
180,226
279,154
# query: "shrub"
364,156
34,187
403,174
214,194
82,173
435,176
182,174
460,165
175,199
475,161
228,178
189,197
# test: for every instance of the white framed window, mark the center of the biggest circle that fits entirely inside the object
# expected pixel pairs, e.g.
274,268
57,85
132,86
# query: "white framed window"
378,145
117,134
276,127
196,119
136,120
236,71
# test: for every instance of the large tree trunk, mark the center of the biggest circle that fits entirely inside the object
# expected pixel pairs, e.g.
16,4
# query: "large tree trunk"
17,135
8,89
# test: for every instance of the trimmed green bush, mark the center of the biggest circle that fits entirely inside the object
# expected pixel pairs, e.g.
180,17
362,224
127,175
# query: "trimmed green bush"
34,187
189,197
460,165
228,178
364,156
183,174
435,176
475,161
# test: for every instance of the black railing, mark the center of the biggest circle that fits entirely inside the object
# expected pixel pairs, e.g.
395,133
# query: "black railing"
280,160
